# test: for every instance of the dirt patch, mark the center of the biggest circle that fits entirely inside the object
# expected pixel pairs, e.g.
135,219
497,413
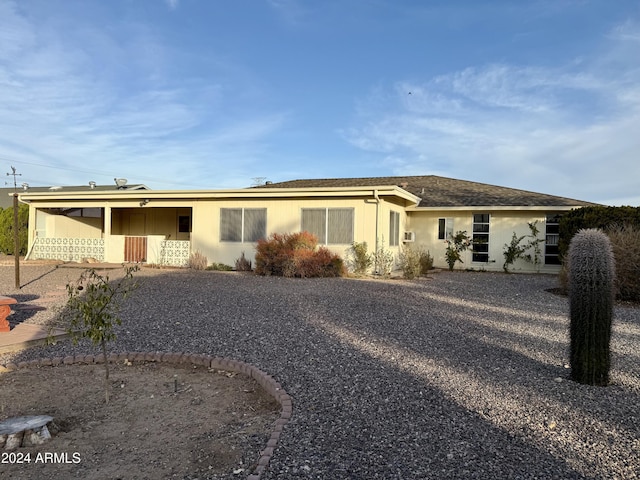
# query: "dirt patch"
162,421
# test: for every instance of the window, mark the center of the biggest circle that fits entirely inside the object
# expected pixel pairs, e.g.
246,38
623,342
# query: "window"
480,237
394,229
94,212
332,226
552,234
184,223
243,224
445,228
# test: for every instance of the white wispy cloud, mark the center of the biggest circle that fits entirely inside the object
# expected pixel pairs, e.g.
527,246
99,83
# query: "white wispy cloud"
568,130
113,104
173,4
292,11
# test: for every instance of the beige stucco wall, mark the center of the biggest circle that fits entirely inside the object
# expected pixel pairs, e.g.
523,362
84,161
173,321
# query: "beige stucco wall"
61,226
502,224
149,220
371,225
284,216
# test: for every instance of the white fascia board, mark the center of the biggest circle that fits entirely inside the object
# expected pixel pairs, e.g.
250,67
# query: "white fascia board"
524,208
50,198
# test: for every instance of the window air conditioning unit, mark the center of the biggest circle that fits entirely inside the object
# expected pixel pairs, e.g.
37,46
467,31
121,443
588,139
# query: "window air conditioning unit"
409,237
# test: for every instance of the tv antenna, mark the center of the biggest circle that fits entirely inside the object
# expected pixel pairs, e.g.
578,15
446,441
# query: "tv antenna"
14,174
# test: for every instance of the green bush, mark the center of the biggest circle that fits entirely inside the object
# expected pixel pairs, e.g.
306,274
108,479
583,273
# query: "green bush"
625,243
513,251
361,260
456,244
220,267
7,240
601,217
296,255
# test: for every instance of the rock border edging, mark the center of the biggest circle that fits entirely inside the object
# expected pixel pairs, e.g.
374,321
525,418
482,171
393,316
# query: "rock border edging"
266,381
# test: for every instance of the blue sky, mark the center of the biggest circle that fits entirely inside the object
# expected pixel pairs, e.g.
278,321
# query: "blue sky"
538,95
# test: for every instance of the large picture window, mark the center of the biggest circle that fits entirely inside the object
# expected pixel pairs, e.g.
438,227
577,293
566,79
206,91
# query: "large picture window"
243,224
332,226
480,237
394,229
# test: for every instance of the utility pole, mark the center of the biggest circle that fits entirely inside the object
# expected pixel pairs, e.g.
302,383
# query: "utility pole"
16,226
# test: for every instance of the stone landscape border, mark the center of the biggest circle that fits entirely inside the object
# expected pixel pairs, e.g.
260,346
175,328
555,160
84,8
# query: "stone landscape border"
266,381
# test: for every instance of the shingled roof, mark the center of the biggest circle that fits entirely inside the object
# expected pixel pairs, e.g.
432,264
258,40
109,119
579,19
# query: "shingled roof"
438,191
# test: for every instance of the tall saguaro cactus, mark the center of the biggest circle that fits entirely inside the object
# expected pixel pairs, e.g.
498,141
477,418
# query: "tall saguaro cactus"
591,297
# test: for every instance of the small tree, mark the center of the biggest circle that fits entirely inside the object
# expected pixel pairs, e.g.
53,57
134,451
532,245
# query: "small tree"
513,251
93,309
456,244
534,243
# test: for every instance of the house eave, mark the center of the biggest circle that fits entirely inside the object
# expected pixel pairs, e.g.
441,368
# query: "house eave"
253,193
504,208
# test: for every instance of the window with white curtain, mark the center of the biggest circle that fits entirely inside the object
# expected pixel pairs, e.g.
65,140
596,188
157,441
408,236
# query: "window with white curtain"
243,224
332,226
394,229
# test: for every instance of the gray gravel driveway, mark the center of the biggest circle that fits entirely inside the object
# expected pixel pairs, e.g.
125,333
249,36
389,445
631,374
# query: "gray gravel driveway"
458,376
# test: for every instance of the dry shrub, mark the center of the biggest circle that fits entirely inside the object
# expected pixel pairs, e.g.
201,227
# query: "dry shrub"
242,264
410,262
426,262
295,255
563,278
197,261
625,241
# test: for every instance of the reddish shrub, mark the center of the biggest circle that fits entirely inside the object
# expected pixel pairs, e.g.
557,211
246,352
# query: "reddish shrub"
295,255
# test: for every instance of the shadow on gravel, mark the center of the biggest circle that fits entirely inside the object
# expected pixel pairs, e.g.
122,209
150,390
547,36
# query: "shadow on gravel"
40,277
388,385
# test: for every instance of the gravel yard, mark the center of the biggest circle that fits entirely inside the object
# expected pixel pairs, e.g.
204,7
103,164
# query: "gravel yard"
462,375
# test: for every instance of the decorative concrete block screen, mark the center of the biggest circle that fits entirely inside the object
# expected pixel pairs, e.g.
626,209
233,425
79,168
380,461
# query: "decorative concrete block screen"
175,253
68,249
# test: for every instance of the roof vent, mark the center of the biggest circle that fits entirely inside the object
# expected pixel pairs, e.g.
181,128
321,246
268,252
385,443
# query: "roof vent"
55,188
404,184
92,184
120,182
268,182
25,186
